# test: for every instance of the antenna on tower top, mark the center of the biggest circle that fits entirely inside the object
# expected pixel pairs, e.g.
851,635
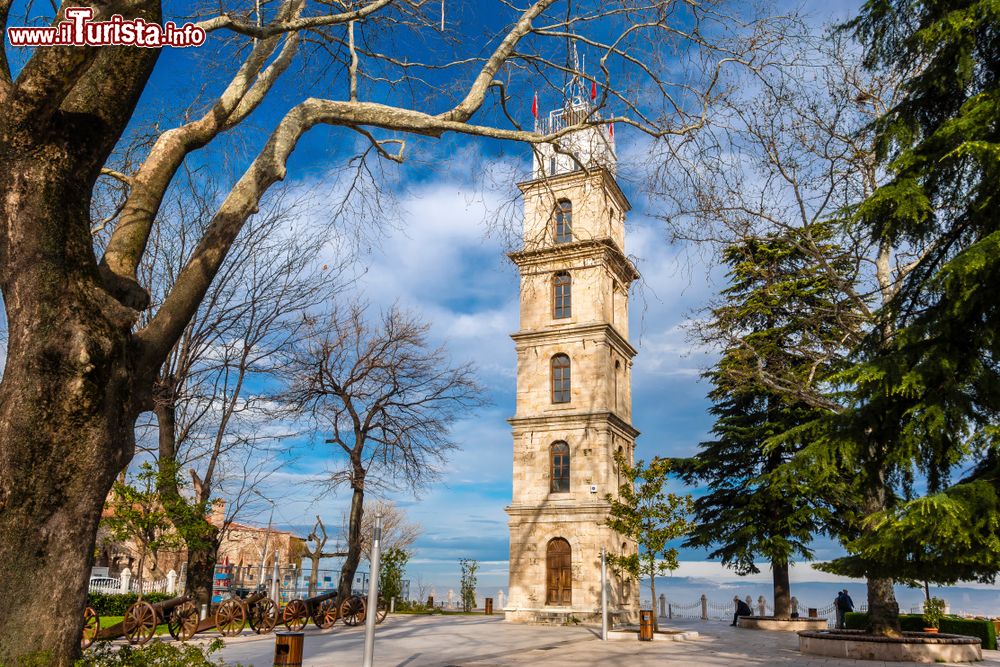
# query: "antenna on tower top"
575,91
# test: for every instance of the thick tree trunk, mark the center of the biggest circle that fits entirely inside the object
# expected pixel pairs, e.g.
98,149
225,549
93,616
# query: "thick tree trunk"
201,572
883,610
782,589
66,430
350,565
66,407
67,400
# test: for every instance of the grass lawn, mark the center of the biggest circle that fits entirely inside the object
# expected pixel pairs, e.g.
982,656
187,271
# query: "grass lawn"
108,621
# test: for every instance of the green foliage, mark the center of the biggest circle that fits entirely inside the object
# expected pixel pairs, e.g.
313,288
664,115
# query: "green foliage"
187,517
645,512
952,625
115,604
781,322
469,581
154,654
136,514
392,566
958,526
930,394
933,612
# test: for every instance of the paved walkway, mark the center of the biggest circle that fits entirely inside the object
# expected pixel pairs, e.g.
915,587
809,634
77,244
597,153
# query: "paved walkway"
486,641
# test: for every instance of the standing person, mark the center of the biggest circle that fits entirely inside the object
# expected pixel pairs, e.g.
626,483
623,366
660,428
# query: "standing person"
846,605
742,609
839,611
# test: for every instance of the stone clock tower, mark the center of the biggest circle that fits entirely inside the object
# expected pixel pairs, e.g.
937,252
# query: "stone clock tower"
574,362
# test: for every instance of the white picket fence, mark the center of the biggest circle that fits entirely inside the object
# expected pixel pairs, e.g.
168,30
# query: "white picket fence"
126,583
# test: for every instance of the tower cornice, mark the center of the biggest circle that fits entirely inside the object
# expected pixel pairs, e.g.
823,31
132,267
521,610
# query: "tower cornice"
554,182
590,248
574,419
573,332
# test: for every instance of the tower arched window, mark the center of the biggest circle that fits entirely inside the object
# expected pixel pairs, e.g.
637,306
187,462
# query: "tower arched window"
558,572
560,379
559,467
562,287
564,221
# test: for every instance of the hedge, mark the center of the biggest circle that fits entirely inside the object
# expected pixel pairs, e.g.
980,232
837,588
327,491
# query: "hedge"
953,625
115,604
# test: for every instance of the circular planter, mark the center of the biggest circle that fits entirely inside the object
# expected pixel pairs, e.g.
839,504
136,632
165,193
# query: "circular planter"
911,647
781,624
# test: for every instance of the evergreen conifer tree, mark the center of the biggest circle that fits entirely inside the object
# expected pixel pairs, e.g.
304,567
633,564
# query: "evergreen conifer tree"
778,311
925,400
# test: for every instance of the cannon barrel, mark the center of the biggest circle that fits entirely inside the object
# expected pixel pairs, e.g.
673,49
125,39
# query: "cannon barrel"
167,605
256,596
320,598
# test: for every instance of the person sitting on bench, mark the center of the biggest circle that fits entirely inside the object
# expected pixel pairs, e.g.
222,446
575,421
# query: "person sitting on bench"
742,609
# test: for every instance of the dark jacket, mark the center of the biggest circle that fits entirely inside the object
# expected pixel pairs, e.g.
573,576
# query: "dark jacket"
743,609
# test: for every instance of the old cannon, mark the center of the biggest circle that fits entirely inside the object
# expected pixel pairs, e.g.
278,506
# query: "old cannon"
354,609
321,608
230,617
140,621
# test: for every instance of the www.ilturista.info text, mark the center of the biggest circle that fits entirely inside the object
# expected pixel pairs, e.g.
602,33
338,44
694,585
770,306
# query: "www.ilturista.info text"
78,29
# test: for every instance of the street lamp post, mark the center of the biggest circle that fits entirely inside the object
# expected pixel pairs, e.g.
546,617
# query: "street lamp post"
372,611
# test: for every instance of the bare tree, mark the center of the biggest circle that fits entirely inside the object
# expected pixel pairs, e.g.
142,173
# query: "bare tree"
315,553
82,361
398,532
389,400
206,418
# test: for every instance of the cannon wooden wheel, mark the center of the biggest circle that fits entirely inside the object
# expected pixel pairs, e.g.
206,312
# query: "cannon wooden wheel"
325,614
353,611
91,626
140,622
295,616
182,622
230,618
263,616
382,611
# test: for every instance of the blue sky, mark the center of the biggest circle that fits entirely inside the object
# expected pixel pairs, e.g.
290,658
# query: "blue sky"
444,265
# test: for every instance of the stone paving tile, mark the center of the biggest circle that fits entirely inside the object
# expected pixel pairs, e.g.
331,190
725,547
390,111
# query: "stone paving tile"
481,641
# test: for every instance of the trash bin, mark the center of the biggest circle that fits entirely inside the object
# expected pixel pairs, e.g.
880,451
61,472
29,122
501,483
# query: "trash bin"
646,625
489,606
287,649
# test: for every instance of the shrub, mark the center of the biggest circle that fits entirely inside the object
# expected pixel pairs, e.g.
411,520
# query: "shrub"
952,625
933,612
155,654
468,593
115,604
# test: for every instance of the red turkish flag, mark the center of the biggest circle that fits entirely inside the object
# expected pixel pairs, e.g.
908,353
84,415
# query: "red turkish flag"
534,106
593,90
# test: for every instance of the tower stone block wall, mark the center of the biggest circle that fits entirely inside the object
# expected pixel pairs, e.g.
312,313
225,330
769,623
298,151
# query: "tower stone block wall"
570,423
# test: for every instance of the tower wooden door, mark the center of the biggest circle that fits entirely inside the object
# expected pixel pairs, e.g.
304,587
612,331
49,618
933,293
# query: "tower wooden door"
559,573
